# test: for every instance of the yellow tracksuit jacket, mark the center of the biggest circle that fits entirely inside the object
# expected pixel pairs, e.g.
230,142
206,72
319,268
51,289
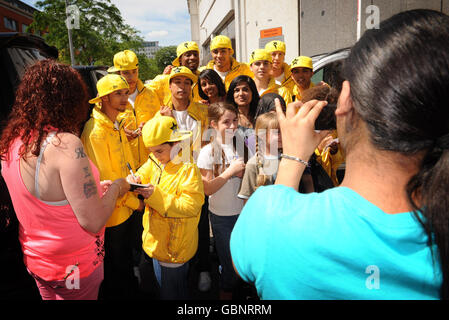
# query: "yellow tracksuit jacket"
236,70
297,92
173,210
282,91
145,107
109,150
160,85
331,162
288,82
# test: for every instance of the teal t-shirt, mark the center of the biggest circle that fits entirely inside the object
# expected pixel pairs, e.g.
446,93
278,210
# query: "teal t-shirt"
331,245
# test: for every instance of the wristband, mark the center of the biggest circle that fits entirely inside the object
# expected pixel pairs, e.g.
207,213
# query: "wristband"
295,159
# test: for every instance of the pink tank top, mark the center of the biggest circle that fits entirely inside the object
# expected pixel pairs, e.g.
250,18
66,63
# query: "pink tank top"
53,242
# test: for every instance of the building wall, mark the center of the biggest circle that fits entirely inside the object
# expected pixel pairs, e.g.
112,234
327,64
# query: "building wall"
272,14
149,49
309,27
12,10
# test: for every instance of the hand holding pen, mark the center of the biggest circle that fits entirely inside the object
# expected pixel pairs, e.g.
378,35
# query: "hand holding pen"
132,177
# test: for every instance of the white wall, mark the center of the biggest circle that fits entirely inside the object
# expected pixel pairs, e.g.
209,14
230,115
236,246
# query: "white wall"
262,15
325,25
212,14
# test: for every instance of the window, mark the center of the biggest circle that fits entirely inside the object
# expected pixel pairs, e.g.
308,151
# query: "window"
10,23
24,27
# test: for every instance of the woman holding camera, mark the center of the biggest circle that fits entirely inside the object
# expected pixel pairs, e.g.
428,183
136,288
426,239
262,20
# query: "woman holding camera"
383,234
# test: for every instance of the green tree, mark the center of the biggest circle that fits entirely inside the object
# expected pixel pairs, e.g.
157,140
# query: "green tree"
147,68
164,57
101,33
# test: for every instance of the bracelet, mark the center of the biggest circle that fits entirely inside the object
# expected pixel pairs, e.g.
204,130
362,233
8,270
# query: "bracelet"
295,159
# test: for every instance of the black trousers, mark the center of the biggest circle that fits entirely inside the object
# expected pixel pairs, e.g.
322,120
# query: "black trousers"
202,254
121,243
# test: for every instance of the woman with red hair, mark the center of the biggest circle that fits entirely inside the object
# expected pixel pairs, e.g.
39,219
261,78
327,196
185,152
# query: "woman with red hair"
60,203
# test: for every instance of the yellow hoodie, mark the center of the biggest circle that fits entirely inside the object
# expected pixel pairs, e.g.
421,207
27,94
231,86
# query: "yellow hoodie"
145,107
236,70
161,86
173,210
109,149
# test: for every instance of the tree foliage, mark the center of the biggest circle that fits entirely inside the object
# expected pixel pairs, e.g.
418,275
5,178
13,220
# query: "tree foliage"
101,33
165,56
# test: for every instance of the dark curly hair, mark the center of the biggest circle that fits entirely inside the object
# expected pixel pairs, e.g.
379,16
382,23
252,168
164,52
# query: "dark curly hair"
51,97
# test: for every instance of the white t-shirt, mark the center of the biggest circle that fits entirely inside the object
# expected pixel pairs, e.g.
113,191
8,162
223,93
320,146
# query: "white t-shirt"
224,202
278,80
132,97
221,74
185,121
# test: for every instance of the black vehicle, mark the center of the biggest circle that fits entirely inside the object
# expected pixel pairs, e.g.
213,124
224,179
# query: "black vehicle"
17,52
327,68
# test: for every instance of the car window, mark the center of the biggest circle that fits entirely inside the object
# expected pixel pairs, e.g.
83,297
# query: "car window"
330,73
318,76
21,58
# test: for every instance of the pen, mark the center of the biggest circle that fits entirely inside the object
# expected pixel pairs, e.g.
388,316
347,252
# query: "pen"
131,170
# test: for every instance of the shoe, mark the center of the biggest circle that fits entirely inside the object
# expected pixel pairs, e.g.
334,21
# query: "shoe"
204,281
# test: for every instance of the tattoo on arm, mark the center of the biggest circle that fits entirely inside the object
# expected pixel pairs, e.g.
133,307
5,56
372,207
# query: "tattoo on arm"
90,189
86,172
80,153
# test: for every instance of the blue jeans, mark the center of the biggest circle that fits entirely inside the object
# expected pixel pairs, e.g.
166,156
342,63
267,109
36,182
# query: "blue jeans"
173,282
221,228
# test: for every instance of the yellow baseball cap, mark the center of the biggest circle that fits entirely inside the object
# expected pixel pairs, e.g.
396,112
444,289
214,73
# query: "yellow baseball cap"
275,45
162,129
302,62
183,48
221,42
259,54
124,60
108,84
182,71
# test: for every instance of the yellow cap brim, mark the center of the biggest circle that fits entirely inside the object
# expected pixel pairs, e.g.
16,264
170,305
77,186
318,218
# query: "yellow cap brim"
113,69
176,62
181,135
191,76
178,136
95,100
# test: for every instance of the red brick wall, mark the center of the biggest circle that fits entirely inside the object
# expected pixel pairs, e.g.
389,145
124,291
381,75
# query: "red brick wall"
15,15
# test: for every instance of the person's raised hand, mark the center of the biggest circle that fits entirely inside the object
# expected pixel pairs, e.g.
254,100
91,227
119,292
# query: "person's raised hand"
167,69
237,168
299,137
166,111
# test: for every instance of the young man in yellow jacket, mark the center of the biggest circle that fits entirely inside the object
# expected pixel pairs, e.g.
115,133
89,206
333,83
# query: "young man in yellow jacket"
189,115
106,144
173,205
261,65
143,103
281,70
223,63
188,55
302,73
